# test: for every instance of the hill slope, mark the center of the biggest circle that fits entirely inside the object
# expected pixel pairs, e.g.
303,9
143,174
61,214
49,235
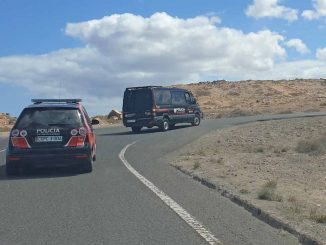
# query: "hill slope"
227,99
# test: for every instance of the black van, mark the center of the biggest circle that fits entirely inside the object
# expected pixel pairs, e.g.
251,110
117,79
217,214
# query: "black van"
159,106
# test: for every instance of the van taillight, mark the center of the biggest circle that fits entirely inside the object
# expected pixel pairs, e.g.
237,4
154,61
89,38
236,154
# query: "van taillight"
19,142
154,112
76,141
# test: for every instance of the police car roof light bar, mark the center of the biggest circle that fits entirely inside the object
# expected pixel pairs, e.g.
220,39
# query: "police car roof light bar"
39,101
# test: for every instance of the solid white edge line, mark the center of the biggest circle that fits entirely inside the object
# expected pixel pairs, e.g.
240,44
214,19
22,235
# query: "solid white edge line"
183,214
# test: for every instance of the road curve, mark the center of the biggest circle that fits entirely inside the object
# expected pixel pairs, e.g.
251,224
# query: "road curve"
111,206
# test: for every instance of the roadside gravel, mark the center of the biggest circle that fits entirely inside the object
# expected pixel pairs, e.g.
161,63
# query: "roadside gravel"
287,155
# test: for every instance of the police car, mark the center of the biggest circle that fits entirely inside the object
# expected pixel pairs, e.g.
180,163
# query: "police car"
52,133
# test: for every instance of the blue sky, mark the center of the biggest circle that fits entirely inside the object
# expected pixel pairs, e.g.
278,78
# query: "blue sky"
30,28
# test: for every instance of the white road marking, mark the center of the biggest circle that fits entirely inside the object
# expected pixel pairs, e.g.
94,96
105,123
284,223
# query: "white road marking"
188,218
2,150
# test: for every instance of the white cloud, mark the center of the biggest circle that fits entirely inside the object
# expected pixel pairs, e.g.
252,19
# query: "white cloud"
321,54
298,44
271,9
318,11
129,50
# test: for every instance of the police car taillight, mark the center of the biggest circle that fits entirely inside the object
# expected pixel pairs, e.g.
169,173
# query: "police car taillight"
20,142
82,131
15,133
78,137
76,141
23,133
74,132
18,139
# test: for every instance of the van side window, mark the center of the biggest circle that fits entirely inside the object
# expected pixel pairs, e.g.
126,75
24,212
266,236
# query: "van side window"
188,98
162,97
178,98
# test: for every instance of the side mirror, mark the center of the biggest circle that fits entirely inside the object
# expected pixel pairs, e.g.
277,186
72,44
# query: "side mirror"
95,122
193,101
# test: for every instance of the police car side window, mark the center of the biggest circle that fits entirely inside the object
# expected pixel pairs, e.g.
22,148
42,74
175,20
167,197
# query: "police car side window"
87,117
178,97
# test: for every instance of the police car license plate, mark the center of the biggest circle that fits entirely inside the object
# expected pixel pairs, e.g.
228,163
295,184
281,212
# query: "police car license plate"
44,139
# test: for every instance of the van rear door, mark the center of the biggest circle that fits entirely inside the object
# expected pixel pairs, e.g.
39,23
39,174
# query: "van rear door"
137,103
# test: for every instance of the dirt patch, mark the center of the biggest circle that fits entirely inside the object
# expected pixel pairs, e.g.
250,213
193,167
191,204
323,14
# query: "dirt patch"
278,166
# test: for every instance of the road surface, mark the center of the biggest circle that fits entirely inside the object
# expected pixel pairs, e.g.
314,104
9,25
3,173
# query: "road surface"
112,206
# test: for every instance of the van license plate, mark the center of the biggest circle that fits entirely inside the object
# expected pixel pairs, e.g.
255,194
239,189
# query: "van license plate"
131,121
44,139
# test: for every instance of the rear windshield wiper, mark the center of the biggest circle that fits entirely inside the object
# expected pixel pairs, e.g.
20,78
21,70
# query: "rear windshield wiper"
58,124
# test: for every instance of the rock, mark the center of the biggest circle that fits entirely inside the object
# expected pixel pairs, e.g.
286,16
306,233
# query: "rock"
115,115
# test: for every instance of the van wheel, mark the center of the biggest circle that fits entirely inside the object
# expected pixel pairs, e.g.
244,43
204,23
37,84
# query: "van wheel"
196,120
11,169
136,129
165,125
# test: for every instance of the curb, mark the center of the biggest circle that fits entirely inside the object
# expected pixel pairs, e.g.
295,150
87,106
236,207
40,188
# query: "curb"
303,238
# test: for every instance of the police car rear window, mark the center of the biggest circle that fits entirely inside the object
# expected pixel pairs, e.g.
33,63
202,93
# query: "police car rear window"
50,117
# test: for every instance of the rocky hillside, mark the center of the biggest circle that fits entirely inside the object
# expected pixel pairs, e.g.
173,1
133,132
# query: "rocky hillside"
228,99
6,121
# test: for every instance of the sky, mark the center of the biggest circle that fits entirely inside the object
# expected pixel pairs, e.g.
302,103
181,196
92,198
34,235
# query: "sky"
94,49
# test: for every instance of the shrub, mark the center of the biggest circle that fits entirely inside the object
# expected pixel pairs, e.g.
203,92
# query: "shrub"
268,192
259,150
313,146
317,217
233,93
196,165
203,93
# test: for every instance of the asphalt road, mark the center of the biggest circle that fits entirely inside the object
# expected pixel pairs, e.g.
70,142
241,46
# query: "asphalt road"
112,206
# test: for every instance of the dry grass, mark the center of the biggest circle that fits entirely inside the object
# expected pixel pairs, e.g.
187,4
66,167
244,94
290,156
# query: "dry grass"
268,192
312,146
196,165
319,218
203,93
259,150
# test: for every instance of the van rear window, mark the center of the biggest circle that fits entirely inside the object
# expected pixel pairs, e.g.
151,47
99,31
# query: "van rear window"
138,100
49,117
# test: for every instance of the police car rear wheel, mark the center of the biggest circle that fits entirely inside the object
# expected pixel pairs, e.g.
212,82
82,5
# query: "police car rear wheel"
88,166
11,169
196,121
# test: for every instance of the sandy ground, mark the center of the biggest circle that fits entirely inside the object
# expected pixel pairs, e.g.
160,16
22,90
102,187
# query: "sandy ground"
285,159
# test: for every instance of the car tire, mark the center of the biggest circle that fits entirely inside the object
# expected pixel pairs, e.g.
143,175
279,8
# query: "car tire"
136,129
196,120
165,126
11,169
88,166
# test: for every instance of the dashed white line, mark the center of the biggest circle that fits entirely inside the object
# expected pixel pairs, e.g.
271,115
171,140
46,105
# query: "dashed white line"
188,218
2,150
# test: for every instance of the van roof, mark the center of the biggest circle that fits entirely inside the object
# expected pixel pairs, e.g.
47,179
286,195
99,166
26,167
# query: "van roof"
151,87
